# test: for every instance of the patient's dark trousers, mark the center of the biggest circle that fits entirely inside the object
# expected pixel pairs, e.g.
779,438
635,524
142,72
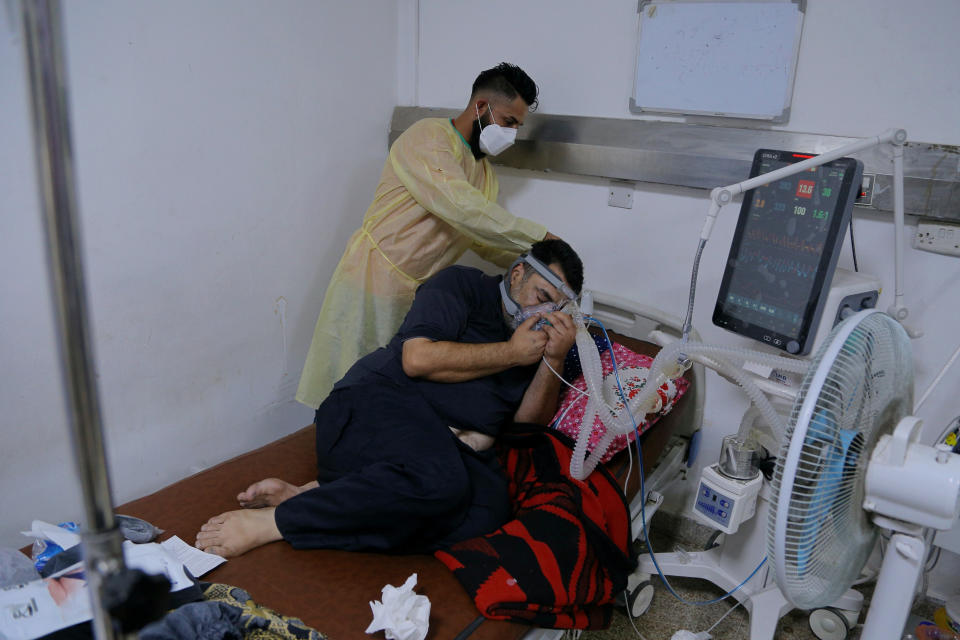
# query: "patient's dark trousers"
393,477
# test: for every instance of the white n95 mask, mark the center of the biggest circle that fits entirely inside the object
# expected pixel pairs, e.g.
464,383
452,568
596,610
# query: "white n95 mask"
494,139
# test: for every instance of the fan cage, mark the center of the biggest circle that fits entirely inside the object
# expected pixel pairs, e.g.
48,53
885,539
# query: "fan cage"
859,386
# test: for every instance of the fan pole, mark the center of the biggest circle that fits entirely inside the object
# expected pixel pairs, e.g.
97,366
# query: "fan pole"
893,595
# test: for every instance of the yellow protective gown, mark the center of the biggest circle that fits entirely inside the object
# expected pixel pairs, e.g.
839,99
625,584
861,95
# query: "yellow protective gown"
434,201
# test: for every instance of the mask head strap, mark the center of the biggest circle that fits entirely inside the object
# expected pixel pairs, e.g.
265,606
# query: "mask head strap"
508,303
546,272
548,275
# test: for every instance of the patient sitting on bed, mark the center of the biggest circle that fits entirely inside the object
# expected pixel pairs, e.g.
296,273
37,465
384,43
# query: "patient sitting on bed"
404,439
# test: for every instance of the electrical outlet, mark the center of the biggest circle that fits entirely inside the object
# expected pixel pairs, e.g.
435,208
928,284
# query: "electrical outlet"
938,237
865,197
621,194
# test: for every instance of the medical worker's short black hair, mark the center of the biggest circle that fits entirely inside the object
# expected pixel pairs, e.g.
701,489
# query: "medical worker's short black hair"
508,80
557,251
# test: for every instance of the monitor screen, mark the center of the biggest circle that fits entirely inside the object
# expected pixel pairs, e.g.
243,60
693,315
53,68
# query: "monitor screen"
785,249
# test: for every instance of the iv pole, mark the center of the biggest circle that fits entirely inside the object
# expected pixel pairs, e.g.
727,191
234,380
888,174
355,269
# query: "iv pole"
112,586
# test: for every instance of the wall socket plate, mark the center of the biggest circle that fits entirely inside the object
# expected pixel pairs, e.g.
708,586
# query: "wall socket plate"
621,194
865,197
938,237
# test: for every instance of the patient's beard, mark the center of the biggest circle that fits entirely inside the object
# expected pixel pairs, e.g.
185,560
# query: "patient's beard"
510,321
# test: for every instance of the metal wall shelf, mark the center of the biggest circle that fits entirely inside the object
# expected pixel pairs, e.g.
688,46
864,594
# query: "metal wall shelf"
705,156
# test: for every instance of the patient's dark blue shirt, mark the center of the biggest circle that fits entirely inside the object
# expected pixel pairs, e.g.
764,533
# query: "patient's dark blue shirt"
458,304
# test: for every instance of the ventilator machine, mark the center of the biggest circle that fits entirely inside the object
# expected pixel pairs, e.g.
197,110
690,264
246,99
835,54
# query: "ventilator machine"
798,491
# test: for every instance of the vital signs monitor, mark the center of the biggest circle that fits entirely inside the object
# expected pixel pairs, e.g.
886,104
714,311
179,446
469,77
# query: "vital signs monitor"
785,250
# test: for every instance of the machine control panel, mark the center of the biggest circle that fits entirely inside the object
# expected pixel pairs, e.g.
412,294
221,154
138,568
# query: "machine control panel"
723,502
714,505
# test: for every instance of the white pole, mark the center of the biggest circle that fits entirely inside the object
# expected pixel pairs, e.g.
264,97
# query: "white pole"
897,309
890,604
936,381
898,222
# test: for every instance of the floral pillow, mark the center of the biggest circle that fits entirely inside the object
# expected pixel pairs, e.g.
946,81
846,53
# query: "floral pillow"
633,368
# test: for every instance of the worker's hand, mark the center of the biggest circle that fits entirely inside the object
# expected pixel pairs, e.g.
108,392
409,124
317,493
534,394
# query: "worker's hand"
561,336
526,343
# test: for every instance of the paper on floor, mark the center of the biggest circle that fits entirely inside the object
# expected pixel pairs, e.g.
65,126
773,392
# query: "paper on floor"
41,607
196,561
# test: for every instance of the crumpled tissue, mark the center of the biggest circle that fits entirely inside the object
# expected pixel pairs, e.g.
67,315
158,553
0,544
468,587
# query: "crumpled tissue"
402,615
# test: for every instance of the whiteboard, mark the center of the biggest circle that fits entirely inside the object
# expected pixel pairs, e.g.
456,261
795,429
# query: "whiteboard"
732,59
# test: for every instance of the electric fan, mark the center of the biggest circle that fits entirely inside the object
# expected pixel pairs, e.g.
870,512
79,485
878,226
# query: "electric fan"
849,465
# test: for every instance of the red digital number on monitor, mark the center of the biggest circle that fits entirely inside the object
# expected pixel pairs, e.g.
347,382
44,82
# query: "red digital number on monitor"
805,188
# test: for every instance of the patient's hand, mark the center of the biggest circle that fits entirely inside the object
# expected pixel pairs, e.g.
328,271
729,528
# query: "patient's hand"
526,343
561,336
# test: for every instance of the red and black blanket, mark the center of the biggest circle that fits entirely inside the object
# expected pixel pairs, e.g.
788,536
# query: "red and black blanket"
566,554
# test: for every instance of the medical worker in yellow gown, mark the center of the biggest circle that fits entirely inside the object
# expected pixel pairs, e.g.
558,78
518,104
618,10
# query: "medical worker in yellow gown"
436,199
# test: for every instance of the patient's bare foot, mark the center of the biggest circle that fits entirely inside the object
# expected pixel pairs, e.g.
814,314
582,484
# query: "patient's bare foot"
235,532
267,493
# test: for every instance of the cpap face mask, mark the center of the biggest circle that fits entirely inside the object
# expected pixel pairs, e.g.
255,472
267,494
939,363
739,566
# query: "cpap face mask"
518,313
494,139
547,307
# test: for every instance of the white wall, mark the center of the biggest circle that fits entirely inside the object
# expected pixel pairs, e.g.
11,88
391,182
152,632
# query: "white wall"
225,151
864,66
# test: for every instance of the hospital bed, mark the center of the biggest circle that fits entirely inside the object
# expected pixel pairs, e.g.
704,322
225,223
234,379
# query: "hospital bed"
331,590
